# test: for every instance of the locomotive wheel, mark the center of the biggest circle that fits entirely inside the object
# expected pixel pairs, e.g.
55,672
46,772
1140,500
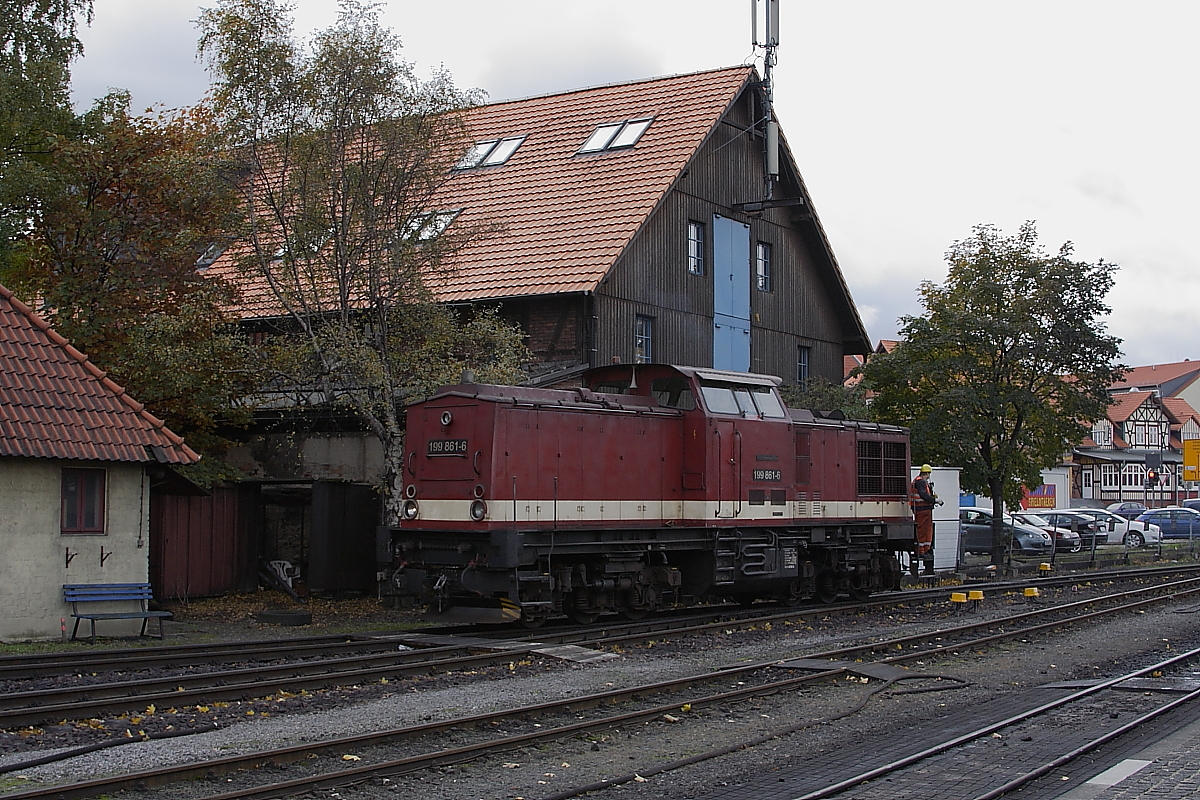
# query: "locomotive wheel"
530,621
583,617
793,596
634,614
826,586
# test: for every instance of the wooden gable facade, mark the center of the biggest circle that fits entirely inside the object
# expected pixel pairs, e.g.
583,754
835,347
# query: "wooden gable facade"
767,276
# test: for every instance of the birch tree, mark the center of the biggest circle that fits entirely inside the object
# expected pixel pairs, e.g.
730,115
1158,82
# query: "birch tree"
344,150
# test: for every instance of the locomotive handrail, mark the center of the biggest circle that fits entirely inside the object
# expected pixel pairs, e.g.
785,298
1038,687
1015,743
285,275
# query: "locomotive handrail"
411,456
737,470
475,462
720,469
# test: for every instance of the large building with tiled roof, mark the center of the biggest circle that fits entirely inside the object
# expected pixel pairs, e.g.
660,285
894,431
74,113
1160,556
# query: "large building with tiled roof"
631,225
630,222
1144,429
1180,379
77,457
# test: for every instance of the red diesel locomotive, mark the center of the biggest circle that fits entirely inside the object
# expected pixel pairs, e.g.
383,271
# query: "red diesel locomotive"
654,486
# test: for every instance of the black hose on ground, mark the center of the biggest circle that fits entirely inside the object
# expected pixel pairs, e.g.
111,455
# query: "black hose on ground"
63,755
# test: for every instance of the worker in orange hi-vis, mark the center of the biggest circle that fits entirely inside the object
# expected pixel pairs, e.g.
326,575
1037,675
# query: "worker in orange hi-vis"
923,500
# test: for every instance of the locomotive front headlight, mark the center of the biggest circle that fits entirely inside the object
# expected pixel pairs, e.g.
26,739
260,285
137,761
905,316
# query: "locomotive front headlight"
478,510
409,510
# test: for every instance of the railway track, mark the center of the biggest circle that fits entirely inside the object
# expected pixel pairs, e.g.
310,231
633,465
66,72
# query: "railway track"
319,662
1011,728
27,666
575,716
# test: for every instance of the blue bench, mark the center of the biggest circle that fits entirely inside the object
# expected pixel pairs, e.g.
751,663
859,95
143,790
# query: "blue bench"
77,594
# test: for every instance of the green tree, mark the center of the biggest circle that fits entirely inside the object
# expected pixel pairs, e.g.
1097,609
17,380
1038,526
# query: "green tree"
821,394
1008,366
344,151
109,257
37,45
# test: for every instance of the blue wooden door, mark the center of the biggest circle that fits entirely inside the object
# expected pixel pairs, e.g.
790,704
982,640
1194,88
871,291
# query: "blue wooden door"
731,295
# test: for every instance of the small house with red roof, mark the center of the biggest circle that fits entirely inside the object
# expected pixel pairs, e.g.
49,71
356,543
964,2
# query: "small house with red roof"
78,458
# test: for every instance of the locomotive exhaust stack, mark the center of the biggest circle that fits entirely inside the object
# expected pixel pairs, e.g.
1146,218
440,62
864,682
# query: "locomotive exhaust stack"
653,487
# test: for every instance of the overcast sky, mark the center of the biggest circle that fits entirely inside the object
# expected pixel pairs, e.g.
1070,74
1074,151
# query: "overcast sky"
911,122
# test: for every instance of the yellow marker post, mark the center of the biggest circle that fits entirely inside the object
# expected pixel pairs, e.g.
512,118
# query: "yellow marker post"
1031,594
959,599
976,597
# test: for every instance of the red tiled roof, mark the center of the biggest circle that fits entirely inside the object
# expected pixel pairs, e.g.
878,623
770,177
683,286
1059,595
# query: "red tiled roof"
1125,404
1179,411
564,219
1156,374
54,403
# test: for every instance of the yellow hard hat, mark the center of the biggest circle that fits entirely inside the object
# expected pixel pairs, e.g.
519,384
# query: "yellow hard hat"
926,468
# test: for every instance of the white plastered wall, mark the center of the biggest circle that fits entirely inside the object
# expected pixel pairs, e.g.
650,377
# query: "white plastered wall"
34,565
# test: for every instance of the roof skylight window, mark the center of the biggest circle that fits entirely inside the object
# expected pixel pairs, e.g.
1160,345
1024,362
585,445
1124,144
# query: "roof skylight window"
616,136
210,255
491,153
426,226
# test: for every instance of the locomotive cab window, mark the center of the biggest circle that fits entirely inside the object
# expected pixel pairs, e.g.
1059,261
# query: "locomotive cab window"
768,402
613,387
673,393
719,399
746,401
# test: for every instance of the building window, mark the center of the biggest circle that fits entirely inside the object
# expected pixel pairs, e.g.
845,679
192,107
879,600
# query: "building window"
82,501
802,357
1134,476
491,153
762,267
616,135
695,245
1102,433
1110,477
1152,434
643,340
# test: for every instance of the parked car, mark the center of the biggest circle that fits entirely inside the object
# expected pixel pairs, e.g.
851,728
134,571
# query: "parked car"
1128,509
975,525
1087,527
1176,522
1193,504
1065,539
1129,531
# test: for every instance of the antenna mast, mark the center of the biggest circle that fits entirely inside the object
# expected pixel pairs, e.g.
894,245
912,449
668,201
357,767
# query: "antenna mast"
769,11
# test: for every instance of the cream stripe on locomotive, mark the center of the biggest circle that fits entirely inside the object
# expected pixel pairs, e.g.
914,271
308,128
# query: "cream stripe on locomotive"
633,510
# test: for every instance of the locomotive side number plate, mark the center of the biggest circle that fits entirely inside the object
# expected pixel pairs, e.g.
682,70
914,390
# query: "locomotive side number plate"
768,475
447,447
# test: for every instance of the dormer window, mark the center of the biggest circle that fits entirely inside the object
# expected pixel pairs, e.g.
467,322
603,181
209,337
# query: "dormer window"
491,153
616,135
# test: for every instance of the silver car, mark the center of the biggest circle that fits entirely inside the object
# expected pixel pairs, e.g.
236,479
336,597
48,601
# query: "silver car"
1130,531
